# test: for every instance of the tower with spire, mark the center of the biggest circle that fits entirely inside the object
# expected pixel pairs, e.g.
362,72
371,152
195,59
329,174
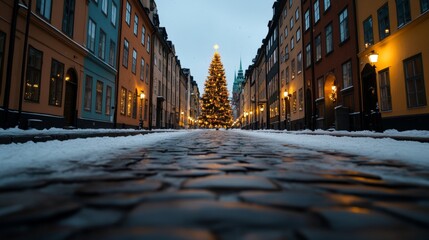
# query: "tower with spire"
236,89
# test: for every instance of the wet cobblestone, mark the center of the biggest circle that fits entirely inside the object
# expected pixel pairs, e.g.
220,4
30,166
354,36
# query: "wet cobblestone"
221,185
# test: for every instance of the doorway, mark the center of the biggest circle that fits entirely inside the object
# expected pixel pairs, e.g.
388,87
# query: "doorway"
330,101
70,112
371,113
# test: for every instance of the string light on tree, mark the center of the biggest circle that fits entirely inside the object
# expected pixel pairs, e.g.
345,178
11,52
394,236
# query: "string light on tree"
216,108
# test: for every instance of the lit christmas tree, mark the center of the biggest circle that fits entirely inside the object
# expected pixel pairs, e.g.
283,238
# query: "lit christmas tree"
216,109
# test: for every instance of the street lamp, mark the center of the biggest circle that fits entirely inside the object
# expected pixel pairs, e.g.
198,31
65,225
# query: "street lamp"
261,108
142,96
373,57
285,98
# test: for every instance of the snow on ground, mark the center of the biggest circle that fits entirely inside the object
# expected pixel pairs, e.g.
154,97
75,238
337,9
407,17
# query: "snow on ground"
16,131
60,156
382,148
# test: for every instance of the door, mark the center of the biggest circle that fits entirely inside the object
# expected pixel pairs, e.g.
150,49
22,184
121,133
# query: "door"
70,99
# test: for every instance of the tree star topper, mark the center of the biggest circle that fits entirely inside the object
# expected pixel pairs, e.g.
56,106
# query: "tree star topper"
216,47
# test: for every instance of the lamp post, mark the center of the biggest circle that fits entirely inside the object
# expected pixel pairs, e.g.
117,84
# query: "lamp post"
262,116
142,96
375,114
285,98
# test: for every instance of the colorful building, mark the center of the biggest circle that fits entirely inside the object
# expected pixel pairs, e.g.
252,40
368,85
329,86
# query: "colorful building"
100,64
42,79
135,66
331,65
291,65
395,86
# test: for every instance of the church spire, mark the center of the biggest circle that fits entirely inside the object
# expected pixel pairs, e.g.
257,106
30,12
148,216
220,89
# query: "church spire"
241,65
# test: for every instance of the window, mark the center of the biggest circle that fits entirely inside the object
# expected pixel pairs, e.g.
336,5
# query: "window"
301,99
68,17
108,100
129,103
43,8
291,23
403,12
290,3
143,35
126,52
318,47
99,97
287,75
347,75
128,14
344,26
142,69
56,83
308,55
316,11
367,32
2,46
292,66
326,4
424,5
134,63
123,102
292,43
414,81
294,102
320,88
298,34
102,45
307,19
148,44
287,52
136,24
104,6
88,93
34,71
383,21
114,12
386,97
286,32
297,14
135,104
91,35
112,53
329,39
299,63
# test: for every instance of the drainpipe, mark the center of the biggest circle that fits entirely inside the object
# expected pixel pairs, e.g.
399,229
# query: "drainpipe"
24,57
10,63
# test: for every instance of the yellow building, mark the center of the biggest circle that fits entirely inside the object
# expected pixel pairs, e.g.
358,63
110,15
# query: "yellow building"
396,85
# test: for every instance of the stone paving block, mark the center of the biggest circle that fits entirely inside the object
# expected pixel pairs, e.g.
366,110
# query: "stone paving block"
216,216
366,233
220,167
192,173
409,212
297,199
92,218
231,182
353,218
120,187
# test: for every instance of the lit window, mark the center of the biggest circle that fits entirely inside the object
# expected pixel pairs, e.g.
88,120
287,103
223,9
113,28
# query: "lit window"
56,83
99,97
33,76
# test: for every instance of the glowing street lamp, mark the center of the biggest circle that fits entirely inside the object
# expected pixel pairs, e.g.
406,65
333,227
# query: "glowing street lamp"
142,96
373,57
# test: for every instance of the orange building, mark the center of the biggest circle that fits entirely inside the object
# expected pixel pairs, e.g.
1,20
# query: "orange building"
48,93
396,84
134,76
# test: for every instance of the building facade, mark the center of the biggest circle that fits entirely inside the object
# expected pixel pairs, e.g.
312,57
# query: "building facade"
395,86
41,76
331,65
100,66
291,65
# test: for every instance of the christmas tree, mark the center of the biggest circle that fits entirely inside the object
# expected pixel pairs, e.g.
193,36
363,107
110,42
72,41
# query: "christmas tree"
216,109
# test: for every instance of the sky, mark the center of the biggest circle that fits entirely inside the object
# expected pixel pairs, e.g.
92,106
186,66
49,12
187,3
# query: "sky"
195,26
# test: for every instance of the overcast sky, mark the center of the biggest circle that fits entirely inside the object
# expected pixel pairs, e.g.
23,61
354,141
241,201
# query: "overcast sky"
195,26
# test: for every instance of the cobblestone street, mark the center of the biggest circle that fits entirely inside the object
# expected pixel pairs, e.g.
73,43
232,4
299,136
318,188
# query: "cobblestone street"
222,185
